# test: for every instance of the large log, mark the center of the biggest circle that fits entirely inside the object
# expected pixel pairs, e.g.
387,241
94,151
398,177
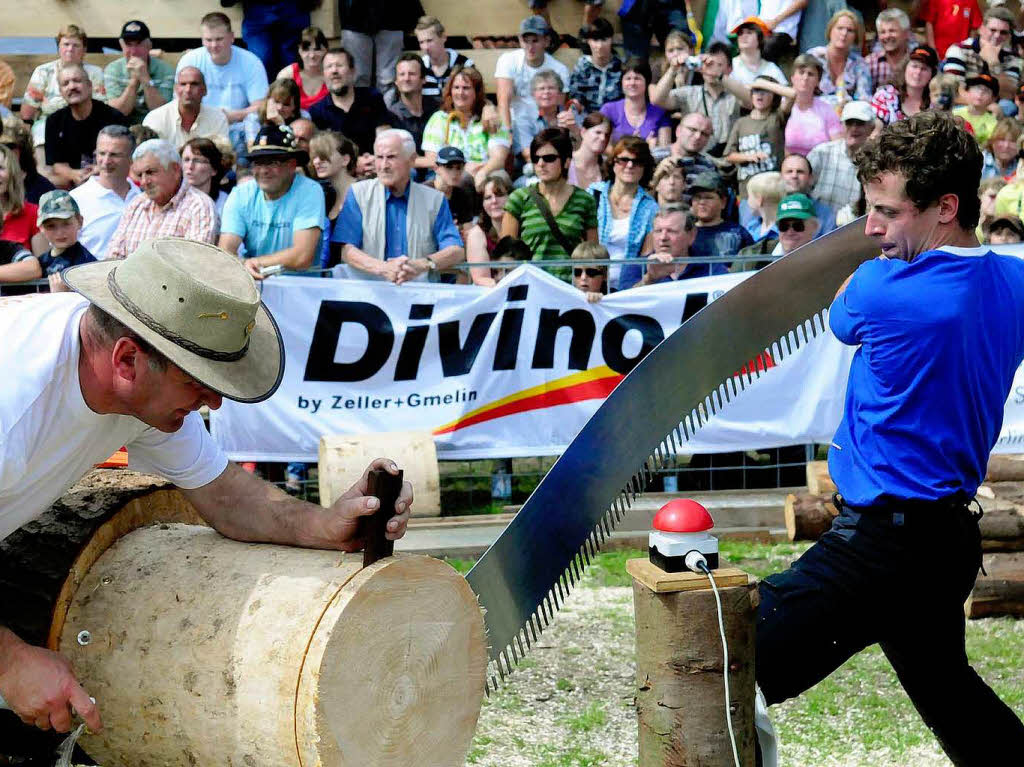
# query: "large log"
680,699
206,651
202,650
808,517
1001,592
1005,468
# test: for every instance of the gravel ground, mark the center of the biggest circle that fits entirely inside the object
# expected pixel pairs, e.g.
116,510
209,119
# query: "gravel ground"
572,704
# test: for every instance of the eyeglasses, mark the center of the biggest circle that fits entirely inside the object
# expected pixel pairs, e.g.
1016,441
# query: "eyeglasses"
795,224
624,161
589,271
546,158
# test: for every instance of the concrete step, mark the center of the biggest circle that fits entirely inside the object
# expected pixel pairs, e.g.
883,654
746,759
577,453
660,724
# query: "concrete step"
738,514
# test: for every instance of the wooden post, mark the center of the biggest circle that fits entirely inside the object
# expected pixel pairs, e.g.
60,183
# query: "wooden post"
680,697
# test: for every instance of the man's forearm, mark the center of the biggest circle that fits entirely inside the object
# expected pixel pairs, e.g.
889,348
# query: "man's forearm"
20,271
297,258
154,98
447,257
62,174
237,115
353,256
125,103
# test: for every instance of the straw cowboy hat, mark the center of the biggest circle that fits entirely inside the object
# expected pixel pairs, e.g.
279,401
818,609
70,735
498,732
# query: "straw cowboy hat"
198,306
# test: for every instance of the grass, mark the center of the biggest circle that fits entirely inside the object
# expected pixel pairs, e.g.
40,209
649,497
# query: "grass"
858,715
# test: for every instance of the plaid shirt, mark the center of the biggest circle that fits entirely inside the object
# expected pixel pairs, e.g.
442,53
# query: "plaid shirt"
837,182
190,214
965,59
881,72
594,87
723,110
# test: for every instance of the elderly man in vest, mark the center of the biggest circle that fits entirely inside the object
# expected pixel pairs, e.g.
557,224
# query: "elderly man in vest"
392,229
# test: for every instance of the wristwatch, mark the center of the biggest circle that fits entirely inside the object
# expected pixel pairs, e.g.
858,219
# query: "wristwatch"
431,264
151,84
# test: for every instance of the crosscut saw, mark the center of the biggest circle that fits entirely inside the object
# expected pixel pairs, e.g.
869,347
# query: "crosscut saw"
523,578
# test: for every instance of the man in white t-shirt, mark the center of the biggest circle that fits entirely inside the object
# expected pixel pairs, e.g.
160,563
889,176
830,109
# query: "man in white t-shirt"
236,81
515,70
103,198
127,359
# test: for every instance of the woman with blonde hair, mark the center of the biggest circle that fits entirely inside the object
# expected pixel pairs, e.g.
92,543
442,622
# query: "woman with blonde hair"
845,73
333,159
17,217
308,71
42,95
1002,151
459,123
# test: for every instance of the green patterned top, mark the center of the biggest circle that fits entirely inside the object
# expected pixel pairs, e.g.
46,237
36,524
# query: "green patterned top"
577,216
116,79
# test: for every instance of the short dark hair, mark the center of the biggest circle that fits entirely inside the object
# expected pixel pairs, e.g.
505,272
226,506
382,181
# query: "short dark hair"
598,29
810,168
514,247
410,57
934,155
109,329
638,66
721,49
337,50
560,139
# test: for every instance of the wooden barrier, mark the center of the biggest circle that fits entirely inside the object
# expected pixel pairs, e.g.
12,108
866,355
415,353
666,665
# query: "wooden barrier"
344,457
165,18
680,699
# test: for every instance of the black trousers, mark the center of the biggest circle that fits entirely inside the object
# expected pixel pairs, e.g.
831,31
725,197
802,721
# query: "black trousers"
897,577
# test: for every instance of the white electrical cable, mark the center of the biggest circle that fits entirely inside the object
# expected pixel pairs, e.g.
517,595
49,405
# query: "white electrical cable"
703,566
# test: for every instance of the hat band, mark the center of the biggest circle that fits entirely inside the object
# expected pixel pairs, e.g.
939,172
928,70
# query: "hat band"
170,335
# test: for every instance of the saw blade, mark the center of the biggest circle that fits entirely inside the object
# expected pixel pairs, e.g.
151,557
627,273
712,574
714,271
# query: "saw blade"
523,578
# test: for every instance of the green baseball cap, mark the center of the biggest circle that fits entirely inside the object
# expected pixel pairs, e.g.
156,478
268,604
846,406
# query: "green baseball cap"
796,206
56,204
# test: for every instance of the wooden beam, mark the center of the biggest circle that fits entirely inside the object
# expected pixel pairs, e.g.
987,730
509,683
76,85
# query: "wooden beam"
500,17
165,18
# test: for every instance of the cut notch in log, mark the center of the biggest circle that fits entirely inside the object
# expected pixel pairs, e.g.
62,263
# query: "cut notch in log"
808,517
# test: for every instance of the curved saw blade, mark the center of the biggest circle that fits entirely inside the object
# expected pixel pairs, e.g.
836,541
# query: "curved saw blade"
523,577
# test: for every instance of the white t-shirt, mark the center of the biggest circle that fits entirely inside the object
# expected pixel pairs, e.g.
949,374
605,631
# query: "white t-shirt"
512,65
746,75
101,210
788,26
235,85
616,242
49,438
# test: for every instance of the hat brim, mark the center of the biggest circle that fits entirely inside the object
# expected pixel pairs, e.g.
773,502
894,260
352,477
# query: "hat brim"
799,215
253,378
301,156
993,87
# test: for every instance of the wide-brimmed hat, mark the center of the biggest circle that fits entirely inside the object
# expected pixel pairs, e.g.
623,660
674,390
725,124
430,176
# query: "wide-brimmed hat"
198,306
276,141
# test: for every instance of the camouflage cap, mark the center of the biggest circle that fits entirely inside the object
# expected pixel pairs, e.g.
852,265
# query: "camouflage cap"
56,204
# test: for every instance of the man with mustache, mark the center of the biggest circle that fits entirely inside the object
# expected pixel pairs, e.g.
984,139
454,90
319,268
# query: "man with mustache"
71,132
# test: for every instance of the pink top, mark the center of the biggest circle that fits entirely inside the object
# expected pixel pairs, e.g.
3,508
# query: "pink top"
809,127
306,101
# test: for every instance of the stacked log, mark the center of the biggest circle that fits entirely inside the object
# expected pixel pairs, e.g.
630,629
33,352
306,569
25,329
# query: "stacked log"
202,650
1000,592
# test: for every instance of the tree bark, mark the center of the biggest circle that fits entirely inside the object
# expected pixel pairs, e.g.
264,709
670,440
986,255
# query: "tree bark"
1001,592
808,517
680,698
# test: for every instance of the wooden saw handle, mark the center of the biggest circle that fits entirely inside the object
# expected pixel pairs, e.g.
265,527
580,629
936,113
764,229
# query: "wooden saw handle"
372,529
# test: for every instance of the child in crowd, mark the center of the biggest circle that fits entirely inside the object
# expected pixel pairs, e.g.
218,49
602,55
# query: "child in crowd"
764,193
982,92
60,222
1006,231
512,251
988,191
756,142
591,279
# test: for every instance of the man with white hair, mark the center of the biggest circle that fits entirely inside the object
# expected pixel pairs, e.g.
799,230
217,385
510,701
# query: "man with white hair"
893,26
390,228
169,207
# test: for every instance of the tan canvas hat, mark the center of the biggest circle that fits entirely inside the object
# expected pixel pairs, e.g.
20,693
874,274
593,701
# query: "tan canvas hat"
198,306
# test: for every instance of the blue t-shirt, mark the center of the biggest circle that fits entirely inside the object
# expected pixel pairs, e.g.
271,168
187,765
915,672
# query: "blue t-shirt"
50,264
349,227
724,239
267,226
235,85
940,340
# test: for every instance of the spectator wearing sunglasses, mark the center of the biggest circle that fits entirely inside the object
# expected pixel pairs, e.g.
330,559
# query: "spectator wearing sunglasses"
591,279
625,210
797,223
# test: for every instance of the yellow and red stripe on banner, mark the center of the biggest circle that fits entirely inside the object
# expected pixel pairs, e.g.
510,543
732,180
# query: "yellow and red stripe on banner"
596,383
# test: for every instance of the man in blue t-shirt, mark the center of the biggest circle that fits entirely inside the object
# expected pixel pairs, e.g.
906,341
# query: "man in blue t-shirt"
280,216
939,322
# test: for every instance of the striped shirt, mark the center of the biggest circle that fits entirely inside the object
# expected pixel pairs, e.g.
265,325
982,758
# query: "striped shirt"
575,219
965,59
475,143
190,214
433,83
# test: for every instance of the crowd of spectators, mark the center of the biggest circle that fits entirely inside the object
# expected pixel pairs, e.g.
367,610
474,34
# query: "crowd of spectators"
296,152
